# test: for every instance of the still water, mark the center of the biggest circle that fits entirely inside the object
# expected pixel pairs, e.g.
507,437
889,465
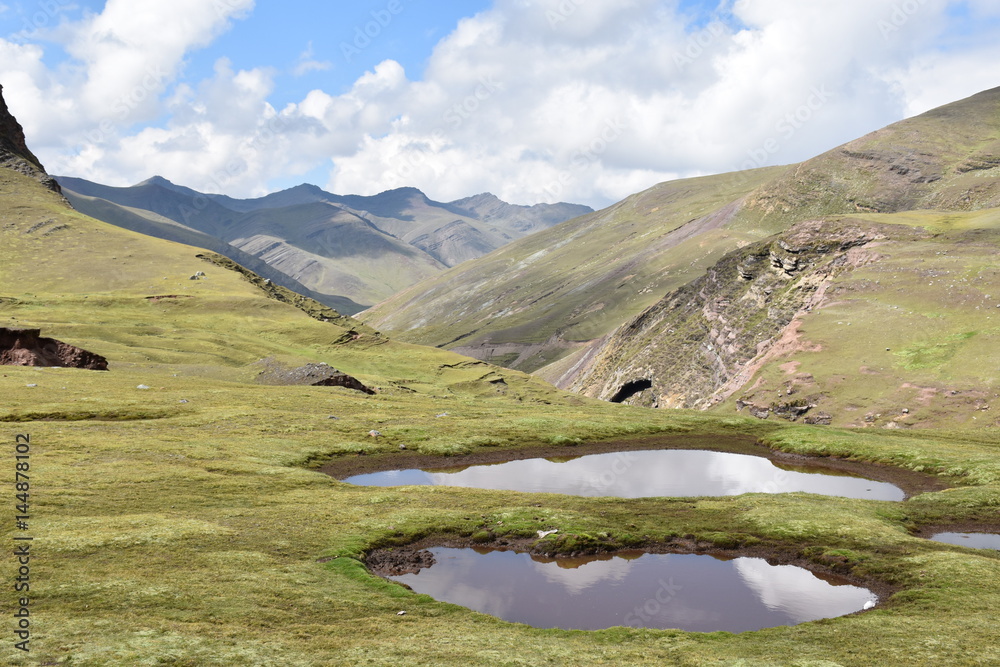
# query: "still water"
672,472
971,540
698,593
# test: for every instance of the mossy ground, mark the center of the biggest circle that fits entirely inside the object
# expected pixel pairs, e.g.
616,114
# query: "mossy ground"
181,525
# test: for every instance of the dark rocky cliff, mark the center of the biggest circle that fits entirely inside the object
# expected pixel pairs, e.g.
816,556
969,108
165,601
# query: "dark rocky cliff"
14,152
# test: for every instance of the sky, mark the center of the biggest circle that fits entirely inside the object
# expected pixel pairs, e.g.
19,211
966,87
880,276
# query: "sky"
585,101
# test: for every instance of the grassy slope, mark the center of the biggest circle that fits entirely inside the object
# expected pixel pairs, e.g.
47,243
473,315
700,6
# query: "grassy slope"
186,533
904,338
578,280
583,279
328,250
914,331
153,224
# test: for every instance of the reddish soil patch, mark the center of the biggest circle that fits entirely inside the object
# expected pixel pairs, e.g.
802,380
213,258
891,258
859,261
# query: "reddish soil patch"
26,347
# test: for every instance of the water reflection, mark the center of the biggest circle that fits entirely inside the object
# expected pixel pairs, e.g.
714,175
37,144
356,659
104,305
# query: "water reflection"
972,540
644,474
688,592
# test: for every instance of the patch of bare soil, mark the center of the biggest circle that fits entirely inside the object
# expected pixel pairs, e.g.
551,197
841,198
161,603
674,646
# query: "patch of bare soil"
26,347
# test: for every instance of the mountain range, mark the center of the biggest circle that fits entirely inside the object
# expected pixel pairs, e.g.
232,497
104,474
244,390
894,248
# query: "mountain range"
695,292
714,293
347,252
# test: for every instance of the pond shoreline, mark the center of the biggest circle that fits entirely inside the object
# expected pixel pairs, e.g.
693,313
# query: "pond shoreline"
912,483
387,562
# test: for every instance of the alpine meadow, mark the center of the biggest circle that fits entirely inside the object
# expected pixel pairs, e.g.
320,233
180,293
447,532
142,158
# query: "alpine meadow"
188,378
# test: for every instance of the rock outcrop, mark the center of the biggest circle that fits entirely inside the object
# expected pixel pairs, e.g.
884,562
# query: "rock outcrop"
26,347
703,342
14,152
313,375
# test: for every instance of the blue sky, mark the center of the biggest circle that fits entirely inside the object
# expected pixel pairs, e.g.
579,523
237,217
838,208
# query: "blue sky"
534,100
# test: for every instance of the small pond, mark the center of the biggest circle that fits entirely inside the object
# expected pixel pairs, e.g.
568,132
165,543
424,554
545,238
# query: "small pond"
698,593
971,540
641,474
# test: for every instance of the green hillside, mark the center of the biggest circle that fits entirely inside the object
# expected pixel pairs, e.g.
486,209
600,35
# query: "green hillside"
537,299
888,320
551,298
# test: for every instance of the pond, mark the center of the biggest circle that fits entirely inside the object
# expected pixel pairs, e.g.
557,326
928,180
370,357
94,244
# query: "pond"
698,593
641,474
971,540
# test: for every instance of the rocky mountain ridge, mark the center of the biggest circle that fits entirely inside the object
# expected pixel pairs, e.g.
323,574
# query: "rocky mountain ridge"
344,250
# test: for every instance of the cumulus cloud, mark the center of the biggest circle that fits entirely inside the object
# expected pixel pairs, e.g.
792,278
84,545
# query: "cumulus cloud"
573,100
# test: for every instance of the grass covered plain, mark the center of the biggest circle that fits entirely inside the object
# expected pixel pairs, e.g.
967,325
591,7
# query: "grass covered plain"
186,524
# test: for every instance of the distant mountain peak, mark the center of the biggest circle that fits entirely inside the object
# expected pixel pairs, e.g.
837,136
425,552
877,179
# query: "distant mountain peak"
156,180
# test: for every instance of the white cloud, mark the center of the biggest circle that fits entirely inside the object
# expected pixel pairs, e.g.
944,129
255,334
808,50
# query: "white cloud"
308,64
550,100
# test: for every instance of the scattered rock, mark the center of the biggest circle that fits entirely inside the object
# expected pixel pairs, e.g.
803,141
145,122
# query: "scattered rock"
443,414
143,386
402,447
754,410
793,410
315,375
394,562
31,385
375,434
401,613
819,419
